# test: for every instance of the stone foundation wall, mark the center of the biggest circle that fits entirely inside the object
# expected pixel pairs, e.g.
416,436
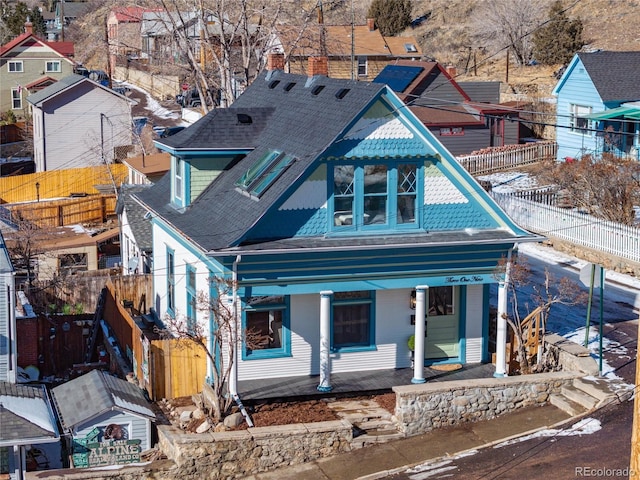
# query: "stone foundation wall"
424,407
242,453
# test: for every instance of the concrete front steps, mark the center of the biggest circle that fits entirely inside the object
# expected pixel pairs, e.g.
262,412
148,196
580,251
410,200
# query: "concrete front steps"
371,423
587,394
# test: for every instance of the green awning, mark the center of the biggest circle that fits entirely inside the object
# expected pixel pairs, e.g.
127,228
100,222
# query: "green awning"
618,112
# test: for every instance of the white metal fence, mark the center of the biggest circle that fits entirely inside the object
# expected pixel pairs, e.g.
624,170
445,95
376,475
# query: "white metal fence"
581,229
504,158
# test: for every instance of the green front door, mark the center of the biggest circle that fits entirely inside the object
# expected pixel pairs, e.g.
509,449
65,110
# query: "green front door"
443,323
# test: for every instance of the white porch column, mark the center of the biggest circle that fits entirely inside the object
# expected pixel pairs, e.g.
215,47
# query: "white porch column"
418,351
325,341
501,323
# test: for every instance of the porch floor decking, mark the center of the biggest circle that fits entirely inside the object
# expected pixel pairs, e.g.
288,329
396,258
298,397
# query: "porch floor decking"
290,388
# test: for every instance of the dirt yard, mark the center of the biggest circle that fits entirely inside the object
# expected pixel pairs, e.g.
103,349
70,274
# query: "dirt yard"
278,413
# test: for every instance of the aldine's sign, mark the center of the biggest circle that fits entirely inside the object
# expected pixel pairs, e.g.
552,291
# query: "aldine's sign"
113,452
108,445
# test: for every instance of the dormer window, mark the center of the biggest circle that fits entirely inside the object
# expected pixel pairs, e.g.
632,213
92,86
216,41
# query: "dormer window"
410,48
179,183
375,196
257,179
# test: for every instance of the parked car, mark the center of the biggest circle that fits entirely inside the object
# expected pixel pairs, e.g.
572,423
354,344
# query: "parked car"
164,132
100,77
190,98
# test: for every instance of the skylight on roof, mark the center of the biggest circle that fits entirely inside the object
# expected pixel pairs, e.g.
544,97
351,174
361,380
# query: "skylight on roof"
257,179
410,47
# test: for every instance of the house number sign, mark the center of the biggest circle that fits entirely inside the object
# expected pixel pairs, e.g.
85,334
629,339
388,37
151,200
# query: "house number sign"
463,279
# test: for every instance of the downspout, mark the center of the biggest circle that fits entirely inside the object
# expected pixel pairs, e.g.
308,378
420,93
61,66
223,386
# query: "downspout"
233,378
501,321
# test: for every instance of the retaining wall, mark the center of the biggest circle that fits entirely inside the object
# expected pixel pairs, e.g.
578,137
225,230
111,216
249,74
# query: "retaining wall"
242,453
424,407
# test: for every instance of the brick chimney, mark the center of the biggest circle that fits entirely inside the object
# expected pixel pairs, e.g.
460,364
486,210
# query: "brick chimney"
275,61
318,66
451,70
371,23
28,26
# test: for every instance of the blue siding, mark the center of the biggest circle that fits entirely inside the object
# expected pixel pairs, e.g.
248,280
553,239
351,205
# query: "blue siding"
456,216
290,223
575,88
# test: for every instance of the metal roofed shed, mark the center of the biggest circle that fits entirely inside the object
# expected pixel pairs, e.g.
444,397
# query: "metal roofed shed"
98,409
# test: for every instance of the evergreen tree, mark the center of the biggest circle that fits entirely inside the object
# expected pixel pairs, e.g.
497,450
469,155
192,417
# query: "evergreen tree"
559,39
391,16
15,18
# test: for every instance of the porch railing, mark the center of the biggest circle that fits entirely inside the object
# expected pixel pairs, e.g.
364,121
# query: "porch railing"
504,158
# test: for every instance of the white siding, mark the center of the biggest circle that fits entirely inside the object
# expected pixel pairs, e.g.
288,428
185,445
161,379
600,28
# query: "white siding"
474,316
305,344
138,427
392,330
8,357
83,130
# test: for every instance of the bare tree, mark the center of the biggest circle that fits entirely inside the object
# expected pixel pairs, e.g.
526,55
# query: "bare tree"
527,317
509,24
220,343
607,188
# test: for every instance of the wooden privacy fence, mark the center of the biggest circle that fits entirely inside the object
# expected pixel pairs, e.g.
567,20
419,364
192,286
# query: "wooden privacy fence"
166,368
581,229
61,183
68,211
504,158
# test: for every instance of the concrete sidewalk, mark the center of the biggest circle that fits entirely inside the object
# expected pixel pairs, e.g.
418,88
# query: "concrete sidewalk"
385,459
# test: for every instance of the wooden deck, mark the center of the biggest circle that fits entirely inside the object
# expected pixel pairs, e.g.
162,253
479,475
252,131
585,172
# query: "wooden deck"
351,383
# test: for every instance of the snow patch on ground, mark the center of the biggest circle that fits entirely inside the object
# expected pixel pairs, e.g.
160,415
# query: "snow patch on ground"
586,426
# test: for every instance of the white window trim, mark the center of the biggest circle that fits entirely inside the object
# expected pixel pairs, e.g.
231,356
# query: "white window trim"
17,90
15,62
363,61
577,111
53,62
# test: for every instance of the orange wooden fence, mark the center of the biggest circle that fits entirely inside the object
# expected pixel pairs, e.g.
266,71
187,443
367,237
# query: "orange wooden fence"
61,183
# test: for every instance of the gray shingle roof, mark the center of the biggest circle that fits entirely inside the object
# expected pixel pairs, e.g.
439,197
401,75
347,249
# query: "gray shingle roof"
614,74
140,226
63,84
83,398
55,88
300,121
25,415
5,262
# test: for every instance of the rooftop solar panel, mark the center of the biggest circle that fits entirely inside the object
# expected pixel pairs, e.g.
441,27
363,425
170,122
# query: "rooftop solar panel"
398,77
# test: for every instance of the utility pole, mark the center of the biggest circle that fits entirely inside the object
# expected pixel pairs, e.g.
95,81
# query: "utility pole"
634,466
353,43
62,21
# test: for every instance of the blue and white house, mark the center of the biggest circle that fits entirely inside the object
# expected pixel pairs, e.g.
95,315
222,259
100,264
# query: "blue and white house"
596,112
340,219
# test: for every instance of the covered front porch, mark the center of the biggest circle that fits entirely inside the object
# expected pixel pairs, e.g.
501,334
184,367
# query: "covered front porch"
353,383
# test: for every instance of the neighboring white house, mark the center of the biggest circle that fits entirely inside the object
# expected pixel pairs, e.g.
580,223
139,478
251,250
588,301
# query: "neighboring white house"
8,356
136,241
78,123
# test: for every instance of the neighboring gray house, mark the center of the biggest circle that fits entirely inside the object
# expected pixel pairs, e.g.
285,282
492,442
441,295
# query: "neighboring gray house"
78,123
27,430
462,121
136,240
8,356
99,411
